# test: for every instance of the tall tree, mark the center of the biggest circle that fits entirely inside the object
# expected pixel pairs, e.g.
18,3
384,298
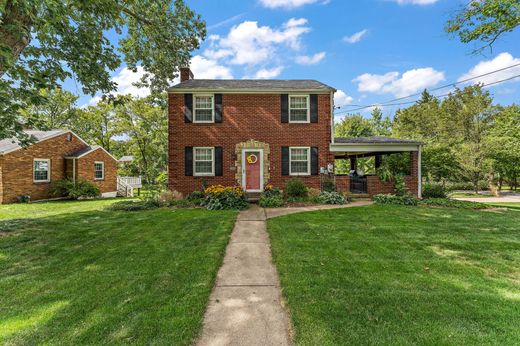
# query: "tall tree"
58,110
484,21
382,126
43,42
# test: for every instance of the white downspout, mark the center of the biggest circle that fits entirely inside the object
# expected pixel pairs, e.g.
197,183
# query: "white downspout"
419,171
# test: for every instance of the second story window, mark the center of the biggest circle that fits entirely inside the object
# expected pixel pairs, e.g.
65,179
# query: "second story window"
298,108
204,110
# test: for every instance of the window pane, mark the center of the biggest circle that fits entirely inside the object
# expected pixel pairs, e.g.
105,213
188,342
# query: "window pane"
98,170
299,154
299,167
203,102
40,175
41,170
203,167
298,115
203,154
203,115
298,102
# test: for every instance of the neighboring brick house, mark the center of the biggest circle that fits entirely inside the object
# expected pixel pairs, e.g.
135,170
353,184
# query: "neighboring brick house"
254,132
55,155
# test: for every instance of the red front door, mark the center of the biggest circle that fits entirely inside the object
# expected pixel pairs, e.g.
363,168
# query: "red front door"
253,171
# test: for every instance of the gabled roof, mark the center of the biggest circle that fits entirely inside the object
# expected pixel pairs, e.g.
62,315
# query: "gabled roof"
126,158
12,144
87,150
373,140
251,85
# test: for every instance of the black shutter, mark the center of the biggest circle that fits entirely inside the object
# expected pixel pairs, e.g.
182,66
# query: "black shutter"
314,108
314,161
285,160
218,161
188,108
285,108
188,161
218,108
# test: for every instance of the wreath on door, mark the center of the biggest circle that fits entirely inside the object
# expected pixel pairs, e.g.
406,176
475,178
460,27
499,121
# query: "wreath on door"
252,159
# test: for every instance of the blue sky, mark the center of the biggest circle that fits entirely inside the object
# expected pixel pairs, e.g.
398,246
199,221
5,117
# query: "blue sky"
372,51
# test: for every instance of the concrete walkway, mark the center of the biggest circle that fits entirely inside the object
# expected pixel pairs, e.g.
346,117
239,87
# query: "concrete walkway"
245,306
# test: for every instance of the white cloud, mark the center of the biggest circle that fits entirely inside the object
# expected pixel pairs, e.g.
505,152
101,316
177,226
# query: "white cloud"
250,44
286,3
355,37
203,68
415,2
499,62
342,99
310,60
268,73
125,80
409,82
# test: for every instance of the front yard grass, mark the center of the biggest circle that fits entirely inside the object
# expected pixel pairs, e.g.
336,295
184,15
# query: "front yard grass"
73,273
397,275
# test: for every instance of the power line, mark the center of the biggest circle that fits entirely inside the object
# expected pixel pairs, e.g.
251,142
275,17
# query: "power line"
435,89
410,102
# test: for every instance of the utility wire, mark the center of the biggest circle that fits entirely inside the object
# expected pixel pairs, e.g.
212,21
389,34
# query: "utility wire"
435,89
410,102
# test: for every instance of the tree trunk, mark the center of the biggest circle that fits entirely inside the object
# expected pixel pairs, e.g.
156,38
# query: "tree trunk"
15,33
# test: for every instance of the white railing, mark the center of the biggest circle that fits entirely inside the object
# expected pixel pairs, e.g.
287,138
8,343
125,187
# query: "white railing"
132,181
124,189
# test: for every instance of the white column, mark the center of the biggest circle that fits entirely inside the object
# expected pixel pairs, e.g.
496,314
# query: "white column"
419,172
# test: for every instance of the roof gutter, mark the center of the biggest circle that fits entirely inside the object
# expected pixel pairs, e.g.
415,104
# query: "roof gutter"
248,91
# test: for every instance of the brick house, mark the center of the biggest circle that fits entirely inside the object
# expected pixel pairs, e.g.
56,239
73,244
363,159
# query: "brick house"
55,155
254,132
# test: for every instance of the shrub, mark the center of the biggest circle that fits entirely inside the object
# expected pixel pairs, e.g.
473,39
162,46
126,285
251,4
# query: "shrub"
220,197
433,191
454,186
312,192
331,198
196,198
328,186
169,197
453,203
271,191
399,185
23,199
132,206
295,188
74,190
393,199
271,201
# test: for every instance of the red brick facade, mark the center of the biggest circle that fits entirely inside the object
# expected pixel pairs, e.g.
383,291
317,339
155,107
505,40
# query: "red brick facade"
245,117
16,168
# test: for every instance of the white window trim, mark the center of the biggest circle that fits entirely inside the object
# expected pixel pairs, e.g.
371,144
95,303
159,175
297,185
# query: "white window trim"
102,170
195,109
308,161
48,171
212,174
308,110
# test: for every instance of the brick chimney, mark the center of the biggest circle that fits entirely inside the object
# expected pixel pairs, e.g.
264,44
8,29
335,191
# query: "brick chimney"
186,74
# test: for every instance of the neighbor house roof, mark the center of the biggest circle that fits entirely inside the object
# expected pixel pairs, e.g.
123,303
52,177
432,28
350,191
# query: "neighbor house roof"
87,150
12,144
126,158
241,85
373,140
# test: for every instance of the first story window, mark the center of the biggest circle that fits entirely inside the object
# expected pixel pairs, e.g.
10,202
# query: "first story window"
299,161
299,109
203,109
99,170
204,161
41,170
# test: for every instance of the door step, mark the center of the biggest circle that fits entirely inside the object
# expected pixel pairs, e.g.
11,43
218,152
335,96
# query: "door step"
253,196
360,196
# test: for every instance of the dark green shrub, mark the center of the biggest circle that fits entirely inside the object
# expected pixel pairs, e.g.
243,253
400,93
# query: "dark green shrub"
453,203
196,198
433,191
74,190
456,186
271,201
132,206
295,188
393,199
328,186
399,185
23,199
331,198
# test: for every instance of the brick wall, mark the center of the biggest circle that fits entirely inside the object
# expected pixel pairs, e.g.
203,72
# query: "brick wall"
17,167
244,117
85,170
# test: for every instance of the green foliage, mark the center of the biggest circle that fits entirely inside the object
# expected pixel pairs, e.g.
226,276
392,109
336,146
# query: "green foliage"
484,21
331,197
456,186
271,201
222,198
196,197
74,190
57,111
23,199
400,185
433,190
45,42
133,205
295,188
452,203
394,199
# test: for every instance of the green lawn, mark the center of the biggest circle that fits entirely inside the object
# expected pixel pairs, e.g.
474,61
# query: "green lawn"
72,273
510,205
390,275
470,195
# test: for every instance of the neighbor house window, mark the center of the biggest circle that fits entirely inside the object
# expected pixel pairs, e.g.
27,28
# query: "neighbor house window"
299,109
204,109
41,170
99,170
299,161
204,161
